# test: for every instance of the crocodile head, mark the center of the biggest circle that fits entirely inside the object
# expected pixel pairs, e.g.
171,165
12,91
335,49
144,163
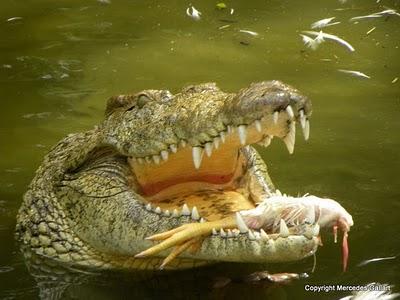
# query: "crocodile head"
189,155
159,161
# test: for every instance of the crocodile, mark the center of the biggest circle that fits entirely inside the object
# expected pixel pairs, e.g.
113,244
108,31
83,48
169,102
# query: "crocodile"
176,168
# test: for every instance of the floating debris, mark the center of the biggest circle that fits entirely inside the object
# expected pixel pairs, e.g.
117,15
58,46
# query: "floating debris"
310,42
260,277
249,32
395,80
40,115
193,13
355,73
368,261
13,170
274,278
328,36
232,11
224,26
47,76
14,19
371,30
380,14
320,37
221,5
323,23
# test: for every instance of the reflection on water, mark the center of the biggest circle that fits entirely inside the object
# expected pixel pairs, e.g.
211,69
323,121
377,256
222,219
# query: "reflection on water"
60,61
60,281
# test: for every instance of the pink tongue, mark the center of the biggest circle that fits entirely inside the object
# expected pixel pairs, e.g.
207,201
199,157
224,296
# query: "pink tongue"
345,251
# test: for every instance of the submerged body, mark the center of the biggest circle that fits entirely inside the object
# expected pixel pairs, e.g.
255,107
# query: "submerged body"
162,162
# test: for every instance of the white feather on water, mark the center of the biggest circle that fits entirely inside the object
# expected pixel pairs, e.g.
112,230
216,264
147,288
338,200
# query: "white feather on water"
324,23
355,73
192,12
331,37
377,15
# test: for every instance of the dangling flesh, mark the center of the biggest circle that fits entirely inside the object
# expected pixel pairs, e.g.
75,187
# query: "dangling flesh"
345,251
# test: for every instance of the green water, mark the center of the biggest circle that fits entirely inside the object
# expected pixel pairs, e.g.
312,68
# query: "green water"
63,59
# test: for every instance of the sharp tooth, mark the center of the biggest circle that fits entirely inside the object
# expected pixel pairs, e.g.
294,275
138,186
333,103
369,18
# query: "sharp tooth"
315,230
156,159
195,213
266,141
230,129
302,119
263,234
197,153
235,232
175,213
140,161
183,143
157,210
290,138
167,213
240,223
223,136
306,130
258,125
217,141
290,112
310,216
164,155
148,159
278,193
185,210
242,131
251,235
202,220
214,231
148,206
173,148
208,148
275,117
222,233
283,229
230,234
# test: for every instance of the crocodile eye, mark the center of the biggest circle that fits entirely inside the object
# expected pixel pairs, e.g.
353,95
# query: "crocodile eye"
142,100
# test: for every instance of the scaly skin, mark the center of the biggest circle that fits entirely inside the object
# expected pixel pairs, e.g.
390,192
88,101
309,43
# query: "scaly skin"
86,207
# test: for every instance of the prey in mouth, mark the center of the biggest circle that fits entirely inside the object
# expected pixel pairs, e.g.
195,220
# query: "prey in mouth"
216,177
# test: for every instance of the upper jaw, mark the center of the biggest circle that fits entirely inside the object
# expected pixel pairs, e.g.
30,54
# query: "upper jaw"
279,123
167,127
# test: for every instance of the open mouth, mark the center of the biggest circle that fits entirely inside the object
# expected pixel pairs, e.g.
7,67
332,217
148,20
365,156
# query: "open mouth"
212,179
